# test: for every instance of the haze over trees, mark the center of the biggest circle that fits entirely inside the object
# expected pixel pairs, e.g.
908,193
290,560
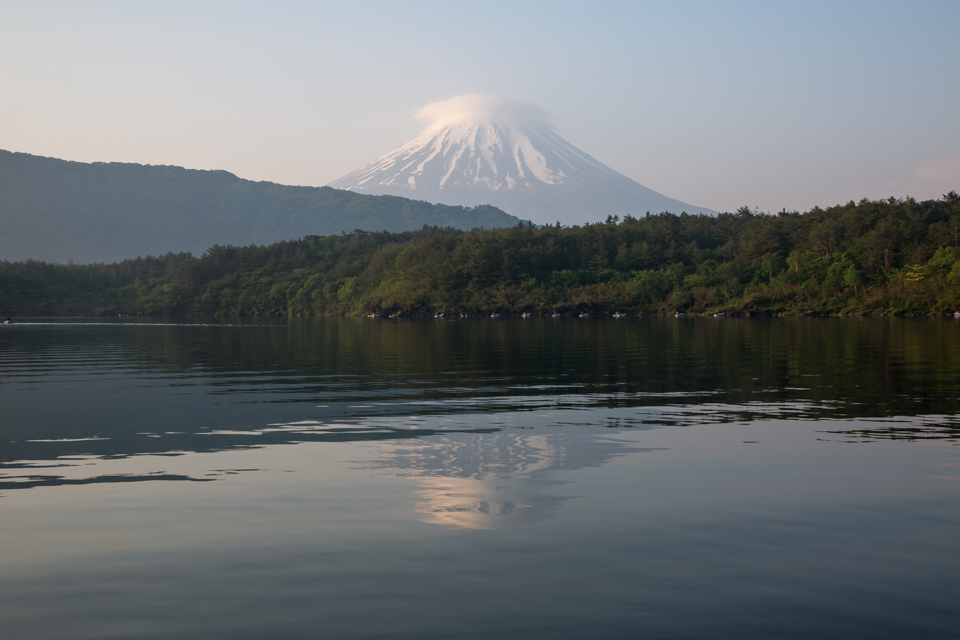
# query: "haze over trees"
53,209
889,256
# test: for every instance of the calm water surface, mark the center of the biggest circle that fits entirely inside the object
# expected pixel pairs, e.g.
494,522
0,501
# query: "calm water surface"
355,478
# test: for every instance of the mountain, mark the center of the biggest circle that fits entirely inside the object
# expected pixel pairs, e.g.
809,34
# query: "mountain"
482,149
57,210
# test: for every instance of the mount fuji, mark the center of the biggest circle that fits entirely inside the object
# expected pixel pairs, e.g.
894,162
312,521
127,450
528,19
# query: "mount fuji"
487,150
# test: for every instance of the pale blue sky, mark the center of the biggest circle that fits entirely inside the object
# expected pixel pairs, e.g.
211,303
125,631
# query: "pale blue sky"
767,104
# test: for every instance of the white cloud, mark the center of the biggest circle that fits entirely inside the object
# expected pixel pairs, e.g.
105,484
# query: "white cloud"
476,107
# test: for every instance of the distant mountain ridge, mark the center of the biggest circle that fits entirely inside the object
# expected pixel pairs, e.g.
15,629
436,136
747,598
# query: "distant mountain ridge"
59,210
502,152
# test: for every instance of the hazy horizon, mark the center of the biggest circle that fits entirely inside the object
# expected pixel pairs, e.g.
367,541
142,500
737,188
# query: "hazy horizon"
723,106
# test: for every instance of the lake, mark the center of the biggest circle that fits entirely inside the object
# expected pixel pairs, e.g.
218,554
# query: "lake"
544,478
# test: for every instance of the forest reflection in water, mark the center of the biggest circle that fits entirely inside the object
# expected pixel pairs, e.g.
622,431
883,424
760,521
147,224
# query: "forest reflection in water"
108,390
656,474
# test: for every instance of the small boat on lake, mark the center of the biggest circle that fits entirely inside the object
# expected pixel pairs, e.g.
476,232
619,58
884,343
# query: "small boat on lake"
494,315
525,315
678,314
617,314
585,314
556,315
438,315
719,314
8,321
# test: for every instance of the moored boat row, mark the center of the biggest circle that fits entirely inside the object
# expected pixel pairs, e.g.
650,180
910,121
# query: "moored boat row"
527,315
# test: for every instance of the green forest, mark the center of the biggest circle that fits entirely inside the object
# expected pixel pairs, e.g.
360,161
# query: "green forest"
895,256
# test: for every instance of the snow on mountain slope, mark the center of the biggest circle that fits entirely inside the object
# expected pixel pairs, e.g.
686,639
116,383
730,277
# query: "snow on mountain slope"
487,150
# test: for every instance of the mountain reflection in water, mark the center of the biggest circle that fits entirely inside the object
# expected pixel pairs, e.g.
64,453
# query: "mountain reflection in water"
649,477
492,480
107,390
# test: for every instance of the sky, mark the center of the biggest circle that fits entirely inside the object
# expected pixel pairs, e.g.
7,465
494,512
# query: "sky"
774,105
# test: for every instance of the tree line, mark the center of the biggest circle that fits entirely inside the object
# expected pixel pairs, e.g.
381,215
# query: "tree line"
894,256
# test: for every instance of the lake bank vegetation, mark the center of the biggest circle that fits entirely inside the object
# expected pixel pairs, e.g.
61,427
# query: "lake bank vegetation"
895,256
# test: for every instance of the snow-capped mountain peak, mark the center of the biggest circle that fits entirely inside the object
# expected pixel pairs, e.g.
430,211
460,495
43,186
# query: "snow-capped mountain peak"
486,150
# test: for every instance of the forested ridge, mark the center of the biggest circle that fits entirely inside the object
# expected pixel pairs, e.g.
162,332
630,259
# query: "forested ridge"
896,256
91,212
